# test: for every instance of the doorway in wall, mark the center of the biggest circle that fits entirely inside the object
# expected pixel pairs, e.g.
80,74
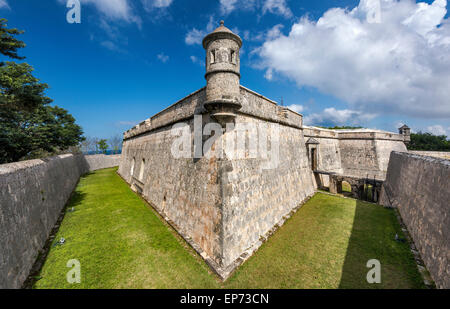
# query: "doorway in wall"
313,159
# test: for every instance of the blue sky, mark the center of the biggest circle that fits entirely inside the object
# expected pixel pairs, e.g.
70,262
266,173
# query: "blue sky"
127,60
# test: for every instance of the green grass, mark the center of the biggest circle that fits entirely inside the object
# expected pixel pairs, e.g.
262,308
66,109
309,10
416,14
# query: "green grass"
121,243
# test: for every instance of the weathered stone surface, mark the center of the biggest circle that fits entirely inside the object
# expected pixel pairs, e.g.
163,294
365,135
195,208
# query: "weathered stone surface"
32,195
101,161
436,154
360,153
419,187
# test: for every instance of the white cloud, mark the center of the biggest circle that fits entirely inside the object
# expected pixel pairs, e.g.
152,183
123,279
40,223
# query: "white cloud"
437,130
331,116
113,9
196,36
400,65
162,57
196,60
227,6
4,4
277,7
296,108
159,4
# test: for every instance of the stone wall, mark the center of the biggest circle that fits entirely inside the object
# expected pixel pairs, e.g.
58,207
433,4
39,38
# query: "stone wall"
436,154
355,153
101,161
419,187
221,206
32,195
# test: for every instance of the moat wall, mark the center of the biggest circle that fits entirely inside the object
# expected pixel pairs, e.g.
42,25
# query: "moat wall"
32,195
419,187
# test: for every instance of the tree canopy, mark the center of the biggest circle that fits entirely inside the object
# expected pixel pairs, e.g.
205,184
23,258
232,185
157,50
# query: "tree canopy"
28,124
429,142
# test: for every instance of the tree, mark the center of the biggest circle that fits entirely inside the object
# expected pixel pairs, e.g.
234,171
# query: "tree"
116,143
49,129
8,43
102,145
28,124
429,142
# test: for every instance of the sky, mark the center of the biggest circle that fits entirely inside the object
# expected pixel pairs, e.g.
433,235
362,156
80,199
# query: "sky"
371,63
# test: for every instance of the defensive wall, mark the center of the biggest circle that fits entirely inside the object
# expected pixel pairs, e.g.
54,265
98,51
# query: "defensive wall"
419,187
223,207
362,153
32,195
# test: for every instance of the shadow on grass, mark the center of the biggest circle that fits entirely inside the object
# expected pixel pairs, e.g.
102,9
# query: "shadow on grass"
373,237
75,199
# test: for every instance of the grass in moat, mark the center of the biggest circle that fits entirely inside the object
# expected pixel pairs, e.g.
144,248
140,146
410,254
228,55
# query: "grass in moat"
121,243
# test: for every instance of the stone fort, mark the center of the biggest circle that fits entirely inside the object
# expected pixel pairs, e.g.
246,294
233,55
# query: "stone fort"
226,203
226,206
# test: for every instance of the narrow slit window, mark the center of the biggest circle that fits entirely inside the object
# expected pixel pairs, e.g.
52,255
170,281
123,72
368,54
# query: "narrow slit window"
212,57
233,57
141,172
132,166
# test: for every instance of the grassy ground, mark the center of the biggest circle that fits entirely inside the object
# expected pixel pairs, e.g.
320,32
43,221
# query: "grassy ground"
121,243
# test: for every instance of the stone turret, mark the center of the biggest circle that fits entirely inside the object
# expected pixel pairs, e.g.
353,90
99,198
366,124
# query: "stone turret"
406,132
222,74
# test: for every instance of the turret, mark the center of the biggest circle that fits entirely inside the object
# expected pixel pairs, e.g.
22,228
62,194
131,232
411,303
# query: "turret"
222,74
406,132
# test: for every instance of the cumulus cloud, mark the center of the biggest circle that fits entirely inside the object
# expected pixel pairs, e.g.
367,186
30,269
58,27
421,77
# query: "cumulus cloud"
4,4
195,36
396,60
296,108
162,57
156,4
438,130
277,7
228,6
331,117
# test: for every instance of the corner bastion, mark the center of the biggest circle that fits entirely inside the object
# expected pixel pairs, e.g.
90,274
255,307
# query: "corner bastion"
224,206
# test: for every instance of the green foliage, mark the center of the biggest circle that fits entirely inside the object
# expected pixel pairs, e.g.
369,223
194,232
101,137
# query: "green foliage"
29,126
102,145
429,142
19,89
8,43
45,129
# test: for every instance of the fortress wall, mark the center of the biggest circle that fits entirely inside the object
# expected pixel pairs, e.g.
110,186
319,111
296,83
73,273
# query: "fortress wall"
261,107
329,156
101,161
255,199
32,195
184,191
419,187
436,154
359,157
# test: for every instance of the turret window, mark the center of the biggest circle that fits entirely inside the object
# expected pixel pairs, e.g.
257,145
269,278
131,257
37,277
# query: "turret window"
233,57
212,57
